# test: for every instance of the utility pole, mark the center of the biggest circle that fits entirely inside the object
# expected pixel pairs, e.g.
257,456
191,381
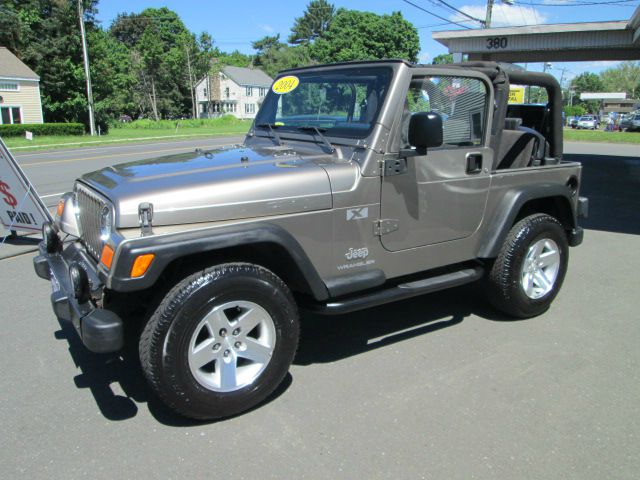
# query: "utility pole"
487,18
87,74
194,111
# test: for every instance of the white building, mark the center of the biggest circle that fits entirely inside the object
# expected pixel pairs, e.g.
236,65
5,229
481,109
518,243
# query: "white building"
239,91
19,91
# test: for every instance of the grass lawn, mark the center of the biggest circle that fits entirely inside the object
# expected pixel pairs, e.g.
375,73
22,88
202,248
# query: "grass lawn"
128,135
600,136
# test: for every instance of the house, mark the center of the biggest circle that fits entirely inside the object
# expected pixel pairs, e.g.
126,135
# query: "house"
237,91
19,91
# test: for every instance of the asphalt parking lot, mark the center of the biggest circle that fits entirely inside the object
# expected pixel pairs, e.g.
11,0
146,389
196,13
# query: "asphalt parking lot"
438,387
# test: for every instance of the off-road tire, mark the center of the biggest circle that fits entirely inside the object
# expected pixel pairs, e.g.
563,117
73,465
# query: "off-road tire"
503,282
164,343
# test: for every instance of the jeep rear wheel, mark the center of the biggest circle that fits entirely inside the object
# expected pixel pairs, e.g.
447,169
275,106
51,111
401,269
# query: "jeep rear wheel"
530,268
221,341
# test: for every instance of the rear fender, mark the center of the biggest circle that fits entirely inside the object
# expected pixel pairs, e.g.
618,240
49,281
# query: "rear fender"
554,197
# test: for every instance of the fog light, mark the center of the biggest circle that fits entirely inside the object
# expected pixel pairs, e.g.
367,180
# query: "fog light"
79,282
50,237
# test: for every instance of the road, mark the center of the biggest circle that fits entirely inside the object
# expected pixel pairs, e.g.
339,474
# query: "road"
439,387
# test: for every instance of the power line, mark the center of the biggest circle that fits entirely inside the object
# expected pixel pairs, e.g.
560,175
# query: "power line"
436,15
569,3
442,24
461,12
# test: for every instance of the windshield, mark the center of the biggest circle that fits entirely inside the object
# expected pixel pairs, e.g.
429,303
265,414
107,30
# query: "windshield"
586,118
342,103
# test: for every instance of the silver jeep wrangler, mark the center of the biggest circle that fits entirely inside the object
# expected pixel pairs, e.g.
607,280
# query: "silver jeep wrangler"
358,184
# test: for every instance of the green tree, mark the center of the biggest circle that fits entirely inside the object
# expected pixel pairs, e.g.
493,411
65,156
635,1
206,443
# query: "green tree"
587,82
235,58
623,78
314,22
129,27
164,58
113,78
273,55
44,34
266,44
355,35
574,110
442,59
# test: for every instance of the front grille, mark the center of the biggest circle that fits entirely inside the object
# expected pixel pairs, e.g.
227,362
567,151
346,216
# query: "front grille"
90,207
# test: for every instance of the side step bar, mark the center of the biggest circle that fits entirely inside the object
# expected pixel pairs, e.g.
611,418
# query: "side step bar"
398,292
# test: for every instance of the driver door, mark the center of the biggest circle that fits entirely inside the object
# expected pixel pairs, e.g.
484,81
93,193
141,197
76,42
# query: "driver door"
441,196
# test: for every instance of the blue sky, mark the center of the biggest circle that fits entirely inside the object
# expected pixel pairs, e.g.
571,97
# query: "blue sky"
234,24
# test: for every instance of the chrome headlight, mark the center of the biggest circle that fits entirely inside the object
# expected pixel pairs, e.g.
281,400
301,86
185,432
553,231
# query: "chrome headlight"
106,223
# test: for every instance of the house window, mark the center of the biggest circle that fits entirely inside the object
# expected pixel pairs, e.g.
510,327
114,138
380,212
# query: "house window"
9,87
249,91
226,92
249,108
263,91
204,92
9,115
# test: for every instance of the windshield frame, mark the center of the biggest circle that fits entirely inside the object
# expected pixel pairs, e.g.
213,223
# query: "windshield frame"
346,132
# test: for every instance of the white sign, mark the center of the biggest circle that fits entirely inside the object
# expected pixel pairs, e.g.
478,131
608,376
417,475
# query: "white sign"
20,205
28,135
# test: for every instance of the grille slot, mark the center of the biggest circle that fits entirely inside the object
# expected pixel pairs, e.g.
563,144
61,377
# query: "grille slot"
89,212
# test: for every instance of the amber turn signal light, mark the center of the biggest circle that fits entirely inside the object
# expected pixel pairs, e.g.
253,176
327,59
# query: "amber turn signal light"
141,264
60,208
107,256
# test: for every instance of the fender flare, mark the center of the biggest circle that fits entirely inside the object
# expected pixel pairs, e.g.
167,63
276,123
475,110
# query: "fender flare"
508,208
170,247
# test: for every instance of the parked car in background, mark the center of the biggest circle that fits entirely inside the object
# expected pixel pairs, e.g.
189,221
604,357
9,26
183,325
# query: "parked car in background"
588,121
625,121
633,124
573,122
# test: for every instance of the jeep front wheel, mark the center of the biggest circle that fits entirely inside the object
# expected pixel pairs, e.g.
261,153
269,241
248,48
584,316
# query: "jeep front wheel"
530,268
221,341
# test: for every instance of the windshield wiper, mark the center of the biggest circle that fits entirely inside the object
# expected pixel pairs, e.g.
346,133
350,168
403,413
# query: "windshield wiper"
271,127
318,131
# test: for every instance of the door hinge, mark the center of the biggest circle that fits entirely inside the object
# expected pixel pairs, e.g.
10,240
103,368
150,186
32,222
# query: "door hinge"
393,166
384,226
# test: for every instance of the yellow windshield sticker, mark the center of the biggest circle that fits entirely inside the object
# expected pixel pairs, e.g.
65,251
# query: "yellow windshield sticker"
285,84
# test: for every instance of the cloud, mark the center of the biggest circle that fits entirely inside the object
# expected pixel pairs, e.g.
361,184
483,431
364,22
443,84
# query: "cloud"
424,57
503,15
267,28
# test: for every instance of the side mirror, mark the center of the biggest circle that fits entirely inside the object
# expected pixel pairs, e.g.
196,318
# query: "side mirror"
425,131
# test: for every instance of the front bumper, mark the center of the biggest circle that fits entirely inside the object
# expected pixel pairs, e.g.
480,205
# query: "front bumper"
101,330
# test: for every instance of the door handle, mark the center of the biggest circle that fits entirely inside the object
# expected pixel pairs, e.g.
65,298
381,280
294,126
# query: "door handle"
474,163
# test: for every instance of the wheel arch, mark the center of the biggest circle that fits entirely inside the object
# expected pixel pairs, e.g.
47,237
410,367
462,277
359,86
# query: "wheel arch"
552,199
264,244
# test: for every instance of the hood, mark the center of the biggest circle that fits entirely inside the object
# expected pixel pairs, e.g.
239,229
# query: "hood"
223,184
